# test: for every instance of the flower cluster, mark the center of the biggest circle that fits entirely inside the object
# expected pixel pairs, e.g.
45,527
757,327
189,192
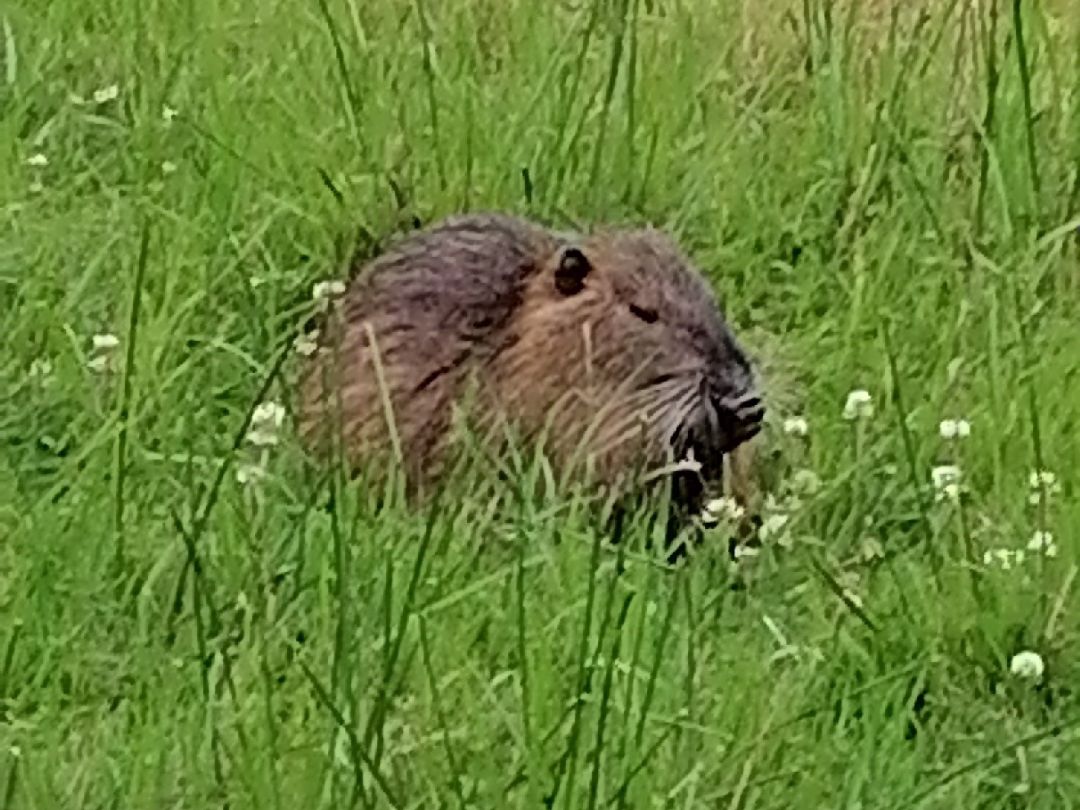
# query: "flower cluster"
263,434
1042,543
1027,665
39,160
727,510
1043,485
946,480
950,429
774,527
266,421
948,485
307,343
37,163
859,405
41,370
325,292
796,426
106,94
1004,558
776,518
805,482
103,353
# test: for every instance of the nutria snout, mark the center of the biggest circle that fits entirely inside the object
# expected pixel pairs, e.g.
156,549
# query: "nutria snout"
611,346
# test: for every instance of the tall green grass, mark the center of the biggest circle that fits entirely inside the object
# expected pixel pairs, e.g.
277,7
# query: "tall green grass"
885,199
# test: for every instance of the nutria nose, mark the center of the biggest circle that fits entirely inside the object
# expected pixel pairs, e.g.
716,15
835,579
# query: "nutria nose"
746,410
742,416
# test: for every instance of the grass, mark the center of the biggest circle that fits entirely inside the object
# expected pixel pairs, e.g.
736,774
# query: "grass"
889,200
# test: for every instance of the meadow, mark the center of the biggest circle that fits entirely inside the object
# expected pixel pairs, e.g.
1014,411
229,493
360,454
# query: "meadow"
192,614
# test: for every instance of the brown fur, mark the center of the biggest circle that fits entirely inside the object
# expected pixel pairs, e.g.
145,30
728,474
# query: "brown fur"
623,360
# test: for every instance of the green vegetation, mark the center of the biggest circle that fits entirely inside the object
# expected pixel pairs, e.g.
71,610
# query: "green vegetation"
887,202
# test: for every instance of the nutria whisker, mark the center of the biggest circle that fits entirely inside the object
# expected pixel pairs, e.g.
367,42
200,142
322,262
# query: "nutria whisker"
667,405
676,419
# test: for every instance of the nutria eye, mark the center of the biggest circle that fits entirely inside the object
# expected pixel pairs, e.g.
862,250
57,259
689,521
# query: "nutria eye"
647,315
570,275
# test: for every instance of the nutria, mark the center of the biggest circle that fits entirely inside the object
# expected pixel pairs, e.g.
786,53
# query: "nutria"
610,346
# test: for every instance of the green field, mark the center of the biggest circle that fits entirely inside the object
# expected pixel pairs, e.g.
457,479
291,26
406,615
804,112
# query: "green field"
888,202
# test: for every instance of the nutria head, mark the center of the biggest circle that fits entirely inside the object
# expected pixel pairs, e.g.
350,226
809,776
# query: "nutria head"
628,327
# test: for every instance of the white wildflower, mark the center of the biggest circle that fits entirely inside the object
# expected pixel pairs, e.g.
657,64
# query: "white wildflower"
327,289
859,405
323,292
796,426
871,549
805,482
746,552
954,429
249,473
38,160
307,344
1042,478
103,350
100,363
1043,484
1004,558
773,503
1027,665
266,421
727,509
167,167
168,114
41,369
1043,542
946,479
949,492
772,527
106,94
105,342
268,413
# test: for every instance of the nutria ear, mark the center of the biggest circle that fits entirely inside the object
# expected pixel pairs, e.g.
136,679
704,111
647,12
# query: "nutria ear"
571,272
